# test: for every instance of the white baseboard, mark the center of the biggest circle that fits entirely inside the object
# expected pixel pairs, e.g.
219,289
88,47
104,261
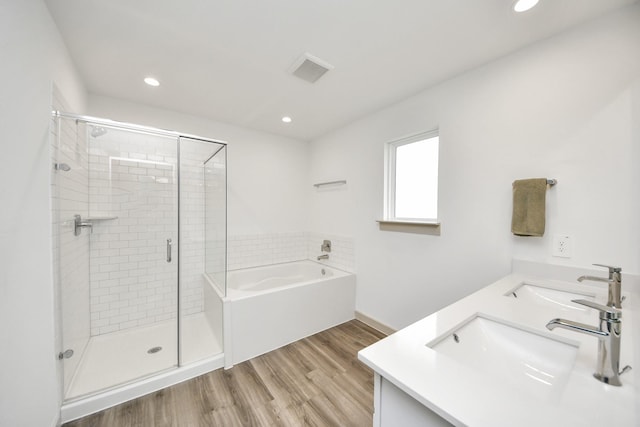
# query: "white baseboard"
369,321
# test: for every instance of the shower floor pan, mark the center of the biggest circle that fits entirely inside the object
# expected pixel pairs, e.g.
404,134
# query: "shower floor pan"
120,357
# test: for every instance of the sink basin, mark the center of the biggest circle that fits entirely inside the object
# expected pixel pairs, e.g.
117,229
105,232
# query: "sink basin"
551,297
528,360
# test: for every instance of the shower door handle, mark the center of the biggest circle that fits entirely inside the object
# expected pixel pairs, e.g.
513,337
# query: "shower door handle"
169,244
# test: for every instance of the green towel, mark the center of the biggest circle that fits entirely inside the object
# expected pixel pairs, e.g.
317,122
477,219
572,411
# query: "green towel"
529,207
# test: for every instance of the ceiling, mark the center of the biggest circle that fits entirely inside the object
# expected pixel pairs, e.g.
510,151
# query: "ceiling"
230,60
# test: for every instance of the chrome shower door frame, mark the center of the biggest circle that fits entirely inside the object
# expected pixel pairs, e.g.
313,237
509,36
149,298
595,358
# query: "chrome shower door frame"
174,241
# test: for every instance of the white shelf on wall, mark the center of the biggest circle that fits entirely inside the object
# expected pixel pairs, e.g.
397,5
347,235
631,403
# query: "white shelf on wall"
323,184
100,218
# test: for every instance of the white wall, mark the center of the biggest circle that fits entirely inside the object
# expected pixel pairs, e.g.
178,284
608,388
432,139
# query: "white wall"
565,108
267,186
33,57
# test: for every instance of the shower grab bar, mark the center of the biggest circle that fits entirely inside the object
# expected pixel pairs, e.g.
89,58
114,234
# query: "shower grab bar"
169,244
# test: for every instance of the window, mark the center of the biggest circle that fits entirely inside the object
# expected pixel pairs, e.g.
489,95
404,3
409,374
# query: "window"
412,179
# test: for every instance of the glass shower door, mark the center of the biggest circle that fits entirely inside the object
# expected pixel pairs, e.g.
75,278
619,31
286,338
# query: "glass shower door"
128,222
203,245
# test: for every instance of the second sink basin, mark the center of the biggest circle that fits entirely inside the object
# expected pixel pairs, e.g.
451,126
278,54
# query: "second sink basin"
557,299
527,360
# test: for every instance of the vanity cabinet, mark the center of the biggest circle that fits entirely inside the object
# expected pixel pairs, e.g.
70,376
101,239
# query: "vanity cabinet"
393,407
490,358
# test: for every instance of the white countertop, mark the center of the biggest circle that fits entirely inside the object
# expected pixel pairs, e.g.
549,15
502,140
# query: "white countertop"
465,396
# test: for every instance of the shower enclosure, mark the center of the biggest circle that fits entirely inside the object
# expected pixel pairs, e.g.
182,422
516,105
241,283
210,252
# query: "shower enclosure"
139,219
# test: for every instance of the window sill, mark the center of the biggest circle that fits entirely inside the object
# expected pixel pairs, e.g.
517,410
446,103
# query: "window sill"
431,228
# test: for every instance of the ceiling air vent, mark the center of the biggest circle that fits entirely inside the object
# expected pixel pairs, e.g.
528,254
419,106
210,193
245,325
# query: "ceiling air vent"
310,68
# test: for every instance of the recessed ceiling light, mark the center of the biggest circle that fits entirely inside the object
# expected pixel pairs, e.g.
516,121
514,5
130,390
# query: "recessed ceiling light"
524,5
286,119
151,81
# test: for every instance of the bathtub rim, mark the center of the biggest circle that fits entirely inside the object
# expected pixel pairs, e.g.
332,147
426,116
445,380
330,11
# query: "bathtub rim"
248,294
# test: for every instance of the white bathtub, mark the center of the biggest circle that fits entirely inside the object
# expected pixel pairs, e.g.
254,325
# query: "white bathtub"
271,306
249,281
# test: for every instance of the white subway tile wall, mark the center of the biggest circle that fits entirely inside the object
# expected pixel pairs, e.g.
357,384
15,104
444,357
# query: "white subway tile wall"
126,184
246,251
133,196
254,250
342,255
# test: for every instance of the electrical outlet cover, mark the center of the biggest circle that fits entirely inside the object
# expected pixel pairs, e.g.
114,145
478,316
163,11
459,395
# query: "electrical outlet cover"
562,246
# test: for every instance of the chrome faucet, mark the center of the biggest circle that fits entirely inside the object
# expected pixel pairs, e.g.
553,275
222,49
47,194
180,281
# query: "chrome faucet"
615,284
79,224
608,334
326,246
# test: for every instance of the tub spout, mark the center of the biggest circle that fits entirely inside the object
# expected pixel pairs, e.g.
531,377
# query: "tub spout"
325,256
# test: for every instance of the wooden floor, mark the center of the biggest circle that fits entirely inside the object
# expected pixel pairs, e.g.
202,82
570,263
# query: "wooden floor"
316,381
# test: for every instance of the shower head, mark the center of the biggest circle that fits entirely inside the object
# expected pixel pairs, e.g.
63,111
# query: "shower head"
97,131
62,167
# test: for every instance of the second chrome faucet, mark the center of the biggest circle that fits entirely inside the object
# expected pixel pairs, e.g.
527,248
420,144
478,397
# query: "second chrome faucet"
608,333
615,284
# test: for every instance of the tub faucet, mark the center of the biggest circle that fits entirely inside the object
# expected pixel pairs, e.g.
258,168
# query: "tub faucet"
608,334
325,256
615,284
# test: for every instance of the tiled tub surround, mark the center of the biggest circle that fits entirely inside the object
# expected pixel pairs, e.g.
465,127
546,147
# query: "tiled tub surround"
416,382
342,255
253,250
247,251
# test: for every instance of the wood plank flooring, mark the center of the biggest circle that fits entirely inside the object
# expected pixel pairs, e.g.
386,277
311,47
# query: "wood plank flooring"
317,381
